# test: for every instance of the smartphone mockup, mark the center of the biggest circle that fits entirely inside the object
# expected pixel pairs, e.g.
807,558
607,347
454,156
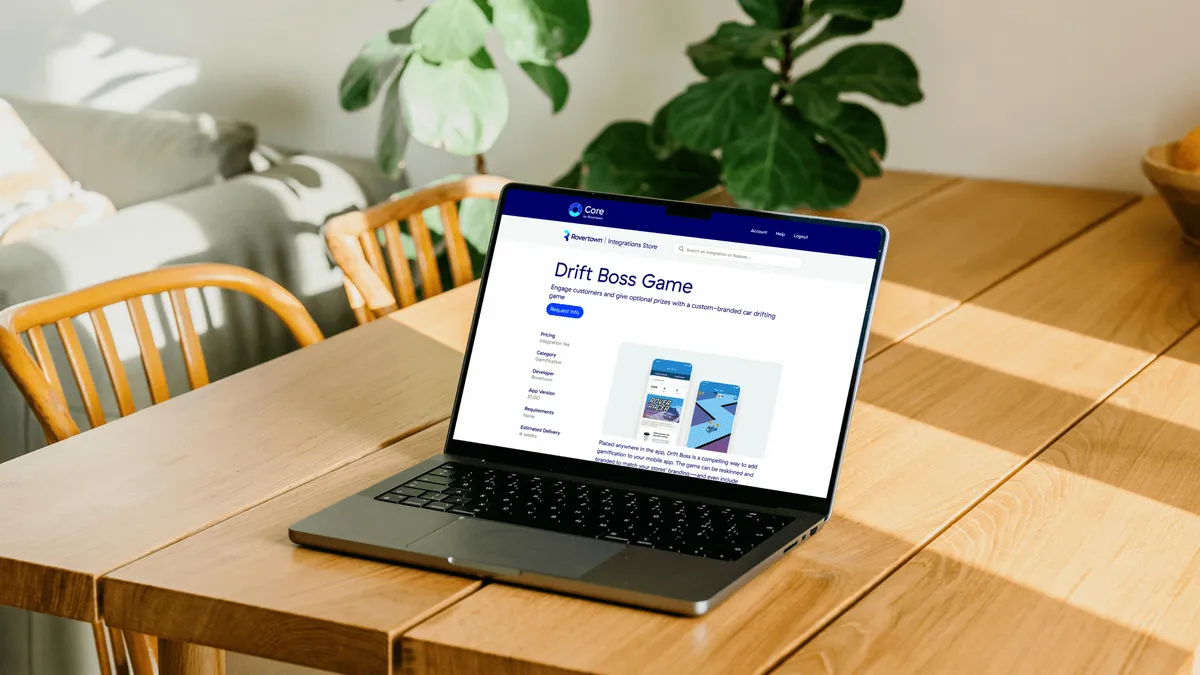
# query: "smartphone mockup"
713,415
662,412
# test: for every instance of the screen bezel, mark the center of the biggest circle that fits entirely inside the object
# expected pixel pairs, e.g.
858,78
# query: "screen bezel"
648,478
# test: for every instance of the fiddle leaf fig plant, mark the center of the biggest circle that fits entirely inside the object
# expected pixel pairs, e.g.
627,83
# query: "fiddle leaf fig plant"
776,139
439,82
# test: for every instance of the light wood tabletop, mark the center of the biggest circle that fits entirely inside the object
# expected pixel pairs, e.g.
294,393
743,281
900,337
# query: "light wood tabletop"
1087,560
105,498
943,419
986,354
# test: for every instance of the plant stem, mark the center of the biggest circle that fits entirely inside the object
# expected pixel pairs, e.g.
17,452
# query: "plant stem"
785,69
480,163
785,64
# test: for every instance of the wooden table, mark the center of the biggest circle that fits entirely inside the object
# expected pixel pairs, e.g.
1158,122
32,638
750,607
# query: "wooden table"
998,500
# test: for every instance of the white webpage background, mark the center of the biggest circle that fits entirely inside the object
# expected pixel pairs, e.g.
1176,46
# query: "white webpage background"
814,338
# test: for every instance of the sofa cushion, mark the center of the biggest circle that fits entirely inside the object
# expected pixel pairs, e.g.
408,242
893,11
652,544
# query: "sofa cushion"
133,158
35,192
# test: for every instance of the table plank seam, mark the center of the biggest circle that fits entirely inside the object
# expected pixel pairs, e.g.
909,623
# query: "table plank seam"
1133,201
918,198
846,605
433,611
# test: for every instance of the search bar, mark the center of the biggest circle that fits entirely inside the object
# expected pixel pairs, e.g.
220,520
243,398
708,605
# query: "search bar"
719,253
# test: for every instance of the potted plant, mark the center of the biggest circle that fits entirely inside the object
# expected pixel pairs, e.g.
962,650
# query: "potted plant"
439,81
774,139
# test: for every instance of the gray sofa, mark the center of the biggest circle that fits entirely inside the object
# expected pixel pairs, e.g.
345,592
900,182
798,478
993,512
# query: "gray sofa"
188,189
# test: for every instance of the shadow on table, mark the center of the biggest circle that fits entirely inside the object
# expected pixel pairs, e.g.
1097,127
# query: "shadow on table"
982,616
1013,425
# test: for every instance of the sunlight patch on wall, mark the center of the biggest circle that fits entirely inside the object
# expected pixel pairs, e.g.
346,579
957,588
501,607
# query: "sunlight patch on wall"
96,72
82,7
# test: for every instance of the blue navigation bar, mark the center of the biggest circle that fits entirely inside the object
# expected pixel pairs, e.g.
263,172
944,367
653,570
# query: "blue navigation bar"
797,233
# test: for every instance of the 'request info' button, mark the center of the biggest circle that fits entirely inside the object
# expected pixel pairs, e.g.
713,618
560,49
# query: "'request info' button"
569,311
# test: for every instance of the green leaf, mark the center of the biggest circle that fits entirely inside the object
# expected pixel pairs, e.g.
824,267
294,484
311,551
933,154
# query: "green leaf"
708,114
660,140
774,13
572,178
734,45
837,184
450,30
620,160
863,10
389,148
551,81
816,102
541,31
857,135
460,106
838,26
880,71
485,8
775,165
369,72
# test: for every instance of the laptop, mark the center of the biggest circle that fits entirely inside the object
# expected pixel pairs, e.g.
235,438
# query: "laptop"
652,406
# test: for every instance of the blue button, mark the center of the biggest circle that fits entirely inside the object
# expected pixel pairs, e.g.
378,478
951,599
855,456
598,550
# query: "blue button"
569,311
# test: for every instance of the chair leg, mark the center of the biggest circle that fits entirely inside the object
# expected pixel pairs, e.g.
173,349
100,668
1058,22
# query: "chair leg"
120,659
102,648
142,655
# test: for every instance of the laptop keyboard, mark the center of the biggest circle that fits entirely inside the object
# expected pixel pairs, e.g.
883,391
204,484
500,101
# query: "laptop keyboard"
572,507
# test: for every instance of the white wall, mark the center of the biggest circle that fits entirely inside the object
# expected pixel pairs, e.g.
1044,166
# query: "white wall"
1058,91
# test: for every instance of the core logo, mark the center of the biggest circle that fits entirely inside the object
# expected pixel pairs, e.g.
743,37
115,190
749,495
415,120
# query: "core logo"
566,235
575,209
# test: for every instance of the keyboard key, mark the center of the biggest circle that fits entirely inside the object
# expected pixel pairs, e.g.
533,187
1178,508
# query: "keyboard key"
464,512
438,506
416,501
422,485
455,499
409,492
443,471
434,478
390,497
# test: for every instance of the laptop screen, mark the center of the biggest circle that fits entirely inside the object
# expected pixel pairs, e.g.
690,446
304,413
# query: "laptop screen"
713,344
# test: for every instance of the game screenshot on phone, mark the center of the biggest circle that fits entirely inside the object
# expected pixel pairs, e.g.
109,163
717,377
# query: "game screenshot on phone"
666,391
712,416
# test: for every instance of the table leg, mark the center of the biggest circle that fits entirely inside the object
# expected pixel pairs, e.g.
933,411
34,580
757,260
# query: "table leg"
182,658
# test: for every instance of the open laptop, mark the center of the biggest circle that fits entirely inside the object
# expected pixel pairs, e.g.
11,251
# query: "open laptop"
652,406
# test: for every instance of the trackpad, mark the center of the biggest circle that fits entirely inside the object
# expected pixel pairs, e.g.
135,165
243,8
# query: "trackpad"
516,547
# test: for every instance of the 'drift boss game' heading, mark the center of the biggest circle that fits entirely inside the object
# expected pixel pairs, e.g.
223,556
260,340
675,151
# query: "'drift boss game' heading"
607,276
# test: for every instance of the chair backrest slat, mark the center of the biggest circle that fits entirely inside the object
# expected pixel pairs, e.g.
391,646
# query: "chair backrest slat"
156,377
112,363
357,304
83,374
45,361
402,281
371,292
456,247
370,244
431,281
32,367
189,341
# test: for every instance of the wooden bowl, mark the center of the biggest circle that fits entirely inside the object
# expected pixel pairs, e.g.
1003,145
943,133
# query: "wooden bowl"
1180,189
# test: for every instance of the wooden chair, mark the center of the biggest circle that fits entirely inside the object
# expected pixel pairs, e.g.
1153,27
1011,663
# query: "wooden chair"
378,277
35,374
